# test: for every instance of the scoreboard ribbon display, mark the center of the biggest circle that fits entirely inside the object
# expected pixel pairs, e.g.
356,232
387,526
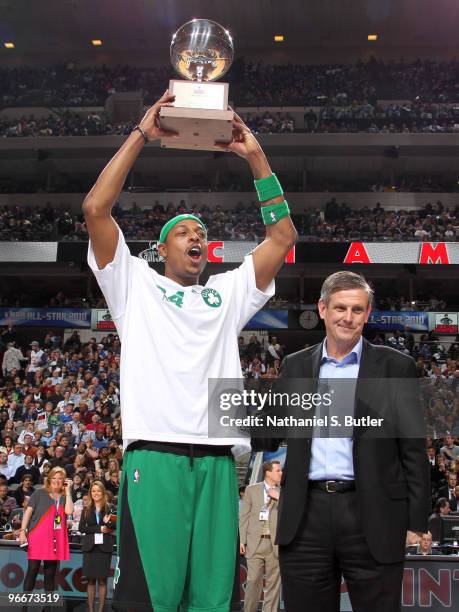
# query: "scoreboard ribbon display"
219,251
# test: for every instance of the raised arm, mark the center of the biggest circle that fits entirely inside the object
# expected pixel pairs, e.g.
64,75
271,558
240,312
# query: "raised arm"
281,236
98,204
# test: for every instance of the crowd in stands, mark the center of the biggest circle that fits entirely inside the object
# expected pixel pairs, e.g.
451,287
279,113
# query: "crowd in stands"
343,98
400,303
67,183
252,84
354,117
270,123
49,299
336,223
340,223
294,85
59,406
67,123
240,223
68,85
406,117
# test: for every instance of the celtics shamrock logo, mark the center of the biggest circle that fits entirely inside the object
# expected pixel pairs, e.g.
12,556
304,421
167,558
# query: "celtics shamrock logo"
116,575
211,297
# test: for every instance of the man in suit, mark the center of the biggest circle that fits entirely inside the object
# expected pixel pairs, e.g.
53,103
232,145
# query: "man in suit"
257,528
435,474
347,503
425,547
449,491
27,468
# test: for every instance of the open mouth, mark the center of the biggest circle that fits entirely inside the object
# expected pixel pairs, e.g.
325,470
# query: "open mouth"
195,253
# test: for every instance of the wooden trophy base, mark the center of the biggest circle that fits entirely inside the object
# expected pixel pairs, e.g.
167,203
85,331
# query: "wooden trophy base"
197,128
200,116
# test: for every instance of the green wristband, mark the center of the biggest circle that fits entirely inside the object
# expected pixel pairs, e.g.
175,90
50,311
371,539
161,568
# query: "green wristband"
268,188
274,212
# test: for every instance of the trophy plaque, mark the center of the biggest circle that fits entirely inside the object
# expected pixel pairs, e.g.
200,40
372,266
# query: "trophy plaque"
202,52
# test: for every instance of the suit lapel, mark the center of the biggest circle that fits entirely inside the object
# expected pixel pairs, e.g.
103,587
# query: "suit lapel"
259,498
311,366
310,371
369,369
369,362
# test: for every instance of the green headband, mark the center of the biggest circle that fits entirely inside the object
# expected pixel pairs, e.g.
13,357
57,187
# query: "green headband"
172,222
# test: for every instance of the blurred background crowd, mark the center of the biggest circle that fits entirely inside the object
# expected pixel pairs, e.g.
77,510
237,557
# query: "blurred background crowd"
334,223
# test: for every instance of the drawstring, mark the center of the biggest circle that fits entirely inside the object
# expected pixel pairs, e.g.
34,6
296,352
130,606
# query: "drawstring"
191,456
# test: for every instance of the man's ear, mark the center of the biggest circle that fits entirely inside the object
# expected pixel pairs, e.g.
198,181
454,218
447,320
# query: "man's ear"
162,250
368,312
321,307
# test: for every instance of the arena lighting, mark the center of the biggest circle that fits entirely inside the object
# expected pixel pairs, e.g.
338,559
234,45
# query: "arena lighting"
96,42
8,45
279,38
372,37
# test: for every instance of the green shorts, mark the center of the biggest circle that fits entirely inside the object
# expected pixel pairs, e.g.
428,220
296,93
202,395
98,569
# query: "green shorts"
177,529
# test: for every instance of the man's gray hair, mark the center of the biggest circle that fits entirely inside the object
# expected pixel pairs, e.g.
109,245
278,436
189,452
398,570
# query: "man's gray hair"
342,281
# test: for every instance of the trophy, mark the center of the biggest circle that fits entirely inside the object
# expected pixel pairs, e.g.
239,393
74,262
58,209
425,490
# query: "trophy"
202,52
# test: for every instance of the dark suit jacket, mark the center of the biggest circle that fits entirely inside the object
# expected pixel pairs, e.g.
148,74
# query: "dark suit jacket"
34,472
391,472
444,492
88,526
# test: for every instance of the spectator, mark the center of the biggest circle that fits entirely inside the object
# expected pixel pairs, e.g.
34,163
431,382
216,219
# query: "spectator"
450,450
434,524
78,491
46,541
5,469
16,458
40,457
8,445
449,491
12,359
113,467
7,503
28,430
27,469
25,489
424,547
37,361
97,544
113,484
59,460
99,440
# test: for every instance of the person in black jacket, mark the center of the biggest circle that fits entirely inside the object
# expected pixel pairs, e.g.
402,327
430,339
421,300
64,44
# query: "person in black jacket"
24,490
449,491
97,543
347,502
27,469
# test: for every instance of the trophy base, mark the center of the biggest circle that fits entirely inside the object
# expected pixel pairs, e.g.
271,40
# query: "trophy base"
197,128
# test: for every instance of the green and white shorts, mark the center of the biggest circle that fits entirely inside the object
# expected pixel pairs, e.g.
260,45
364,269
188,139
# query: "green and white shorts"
177,528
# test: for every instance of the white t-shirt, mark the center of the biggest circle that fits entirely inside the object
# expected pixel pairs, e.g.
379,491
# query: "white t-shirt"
35,360
174,339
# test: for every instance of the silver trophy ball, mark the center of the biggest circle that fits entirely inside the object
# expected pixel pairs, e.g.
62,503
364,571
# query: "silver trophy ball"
202,50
